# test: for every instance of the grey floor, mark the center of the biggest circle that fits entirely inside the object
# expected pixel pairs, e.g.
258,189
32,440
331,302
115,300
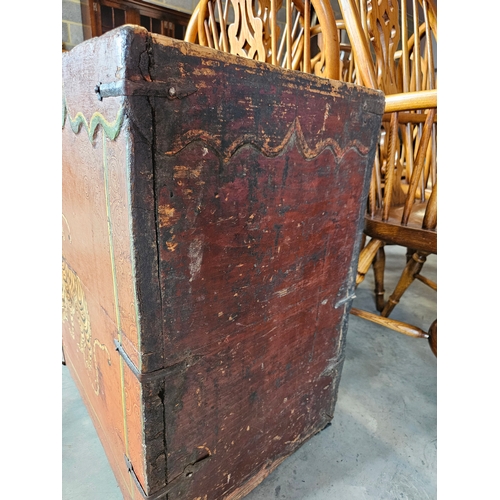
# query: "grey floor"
382,441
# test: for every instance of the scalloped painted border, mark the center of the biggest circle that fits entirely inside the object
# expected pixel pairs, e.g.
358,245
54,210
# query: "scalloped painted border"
263,146
111,129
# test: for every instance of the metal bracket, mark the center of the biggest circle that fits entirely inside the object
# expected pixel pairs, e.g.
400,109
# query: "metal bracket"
344,300
148,376
173,89
127,360
186,475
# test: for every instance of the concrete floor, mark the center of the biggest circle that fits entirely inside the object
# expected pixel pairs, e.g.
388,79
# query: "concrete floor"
382,441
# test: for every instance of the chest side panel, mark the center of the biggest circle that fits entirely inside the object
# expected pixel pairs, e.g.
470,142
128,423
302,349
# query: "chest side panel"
98,271
261,179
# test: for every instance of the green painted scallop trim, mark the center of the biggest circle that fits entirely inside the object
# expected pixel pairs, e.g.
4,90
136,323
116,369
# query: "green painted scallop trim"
111,129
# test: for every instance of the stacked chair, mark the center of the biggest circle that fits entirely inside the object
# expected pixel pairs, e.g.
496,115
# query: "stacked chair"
393,47
295,34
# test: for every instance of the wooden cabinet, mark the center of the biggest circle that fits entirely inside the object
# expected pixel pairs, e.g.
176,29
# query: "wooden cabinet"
212,215
109,14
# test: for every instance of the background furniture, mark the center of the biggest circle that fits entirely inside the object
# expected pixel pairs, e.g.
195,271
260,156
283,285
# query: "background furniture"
293,34
398,58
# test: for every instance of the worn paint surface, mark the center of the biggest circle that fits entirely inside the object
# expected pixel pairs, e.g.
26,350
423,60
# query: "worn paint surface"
244,204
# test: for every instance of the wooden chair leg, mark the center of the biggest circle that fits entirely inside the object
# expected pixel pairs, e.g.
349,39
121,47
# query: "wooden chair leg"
366,257
401,327
378,272
393,324
433,337
423,279
427,281
412,268
409,254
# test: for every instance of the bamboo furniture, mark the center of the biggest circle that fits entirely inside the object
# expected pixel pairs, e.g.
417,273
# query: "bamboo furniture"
402,207
294,34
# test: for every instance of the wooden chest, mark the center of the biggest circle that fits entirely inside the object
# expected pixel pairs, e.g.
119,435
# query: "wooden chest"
212,215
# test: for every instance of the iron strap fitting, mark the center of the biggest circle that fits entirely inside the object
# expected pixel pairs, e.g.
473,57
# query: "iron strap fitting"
186,475
173,89
144,377
141,377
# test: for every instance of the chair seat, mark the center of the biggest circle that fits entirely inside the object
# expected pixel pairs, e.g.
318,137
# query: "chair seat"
412,235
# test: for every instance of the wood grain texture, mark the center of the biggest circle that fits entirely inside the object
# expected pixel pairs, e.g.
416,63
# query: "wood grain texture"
218,250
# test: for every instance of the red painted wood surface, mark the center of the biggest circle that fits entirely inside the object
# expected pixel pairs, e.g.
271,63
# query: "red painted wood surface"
211,228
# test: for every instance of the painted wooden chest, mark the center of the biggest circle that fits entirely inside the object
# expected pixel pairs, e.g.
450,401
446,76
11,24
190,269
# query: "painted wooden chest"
212,215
